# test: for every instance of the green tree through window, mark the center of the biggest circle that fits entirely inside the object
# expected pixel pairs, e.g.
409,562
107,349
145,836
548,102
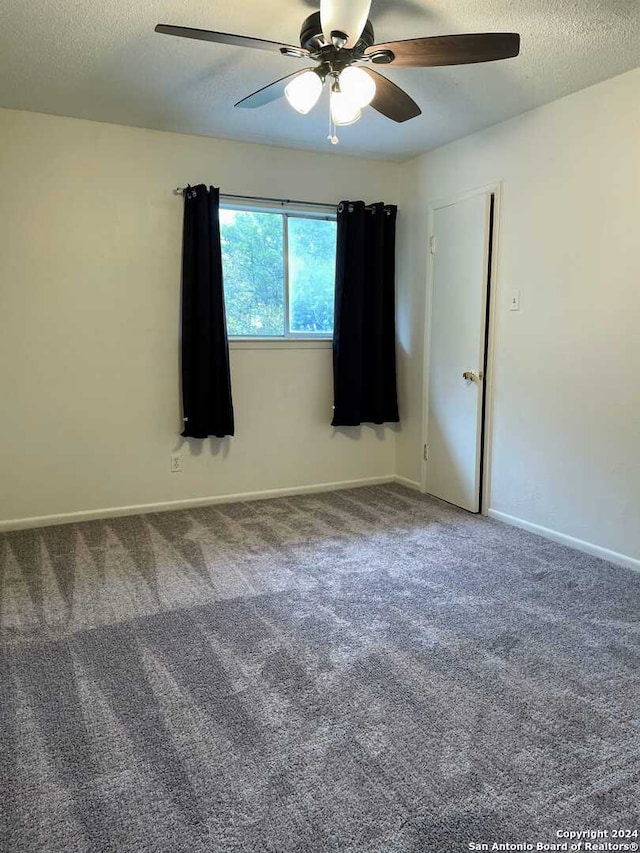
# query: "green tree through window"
252,261
312,264
255,274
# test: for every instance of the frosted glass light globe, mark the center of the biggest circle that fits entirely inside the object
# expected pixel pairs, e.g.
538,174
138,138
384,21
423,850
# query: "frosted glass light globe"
358,86
345,16
343,110
303,91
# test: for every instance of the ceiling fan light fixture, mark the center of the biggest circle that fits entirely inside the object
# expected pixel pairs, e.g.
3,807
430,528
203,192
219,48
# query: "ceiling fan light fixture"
340,37
343,109
303,91
344,16
358,86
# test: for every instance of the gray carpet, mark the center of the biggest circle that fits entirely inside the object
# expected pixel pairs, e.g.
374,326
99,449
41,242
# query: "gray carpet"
369,670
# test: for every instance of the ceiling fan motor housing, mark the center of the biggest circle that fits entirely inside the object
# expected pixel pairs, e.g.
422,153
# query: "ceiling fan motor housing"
312,38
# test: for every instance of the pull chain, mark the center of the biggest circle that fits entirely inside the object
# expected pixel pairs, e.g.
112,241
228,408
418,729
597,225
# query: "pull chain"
333,139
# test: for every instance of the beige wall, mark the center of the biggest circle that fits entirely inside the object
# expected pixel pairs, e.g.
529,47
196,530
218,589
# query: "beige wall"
89,295
566,439
89,298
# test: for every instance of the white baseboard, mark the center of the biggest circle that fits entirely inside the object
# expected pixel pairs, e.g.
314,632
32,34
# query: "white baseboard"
570,541
189,503
410,484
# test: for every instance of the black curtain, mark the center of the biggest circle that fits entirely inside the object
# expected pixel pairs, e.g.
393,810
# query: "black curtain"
207,407
364,345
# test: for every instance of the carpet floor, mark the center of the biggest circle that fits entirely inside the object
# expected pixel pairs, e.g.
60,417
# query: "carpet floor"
369,671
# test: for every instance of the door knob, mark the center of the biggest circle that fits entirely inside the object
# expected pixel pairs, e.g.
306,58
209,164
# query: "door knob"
470,376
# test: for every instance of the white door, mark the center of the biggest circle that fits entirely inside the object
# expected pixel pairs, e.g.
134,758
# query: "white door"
460,248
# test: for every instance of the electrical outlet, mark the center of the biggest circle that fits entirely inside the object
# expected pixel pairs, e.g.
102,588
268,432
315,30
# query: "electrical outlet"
176,463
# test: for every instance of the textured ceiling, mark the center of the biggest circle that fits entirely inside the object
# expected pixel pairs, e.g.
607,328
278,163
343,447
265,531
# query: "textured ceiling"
102,60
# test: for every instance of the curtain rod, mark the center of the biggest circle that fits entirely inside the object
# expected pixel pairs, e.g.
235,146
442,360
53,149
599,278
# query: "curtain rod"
282,201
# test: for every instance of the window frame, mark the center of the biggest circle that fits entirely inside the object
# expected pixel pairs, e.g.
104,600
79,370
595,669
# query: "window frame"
286,210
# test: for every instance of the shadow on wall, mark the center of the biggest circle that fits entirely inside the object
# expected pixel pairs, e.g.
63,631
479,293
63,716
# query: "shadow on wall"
222,446
355,432
217,446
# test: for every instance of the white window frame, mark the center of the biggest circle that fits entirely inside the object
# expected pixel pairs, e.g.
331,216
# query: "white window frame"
301,340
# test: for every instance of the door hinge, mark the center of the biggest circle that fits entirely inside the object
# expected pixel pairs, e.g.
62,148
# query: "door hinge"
425,452
432,244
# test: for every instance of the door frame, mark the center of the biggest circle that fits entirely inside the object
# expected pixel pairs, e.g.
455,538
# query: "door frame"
494,189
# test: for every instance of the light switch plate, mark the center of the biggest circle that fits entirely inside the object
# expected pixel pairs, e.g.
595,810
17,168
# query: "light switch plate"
514,304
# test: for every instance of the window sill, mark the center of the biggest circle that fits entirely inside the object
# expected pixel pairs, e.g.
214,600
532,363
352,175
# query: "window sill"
279,343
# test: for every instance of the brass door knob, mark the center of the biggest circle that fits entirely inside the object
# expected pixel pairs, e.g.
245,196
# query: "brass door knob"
469,375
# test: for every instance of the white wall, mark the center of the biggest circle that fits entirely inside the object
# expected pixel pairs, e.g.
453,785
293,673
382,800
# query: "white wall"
566,440
89,297
90,242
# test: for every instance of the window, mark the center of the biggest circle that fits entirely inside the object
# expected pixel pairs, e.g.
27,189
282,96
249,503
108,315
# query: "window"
279,272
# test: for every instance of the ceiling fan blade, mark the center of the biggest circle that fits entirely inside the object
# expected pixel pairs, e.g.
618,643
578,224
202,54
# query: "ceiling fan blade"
390,100
269,93
344,16
450,50
230,38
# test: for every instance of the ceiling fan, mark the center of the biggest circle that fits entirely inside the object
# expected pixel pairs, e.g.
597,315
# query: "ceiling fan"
340,40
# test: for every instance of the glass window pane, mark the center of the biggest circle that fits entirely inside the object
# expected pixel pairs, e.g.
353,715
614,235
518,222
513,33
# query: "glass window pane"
312,264
252,261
